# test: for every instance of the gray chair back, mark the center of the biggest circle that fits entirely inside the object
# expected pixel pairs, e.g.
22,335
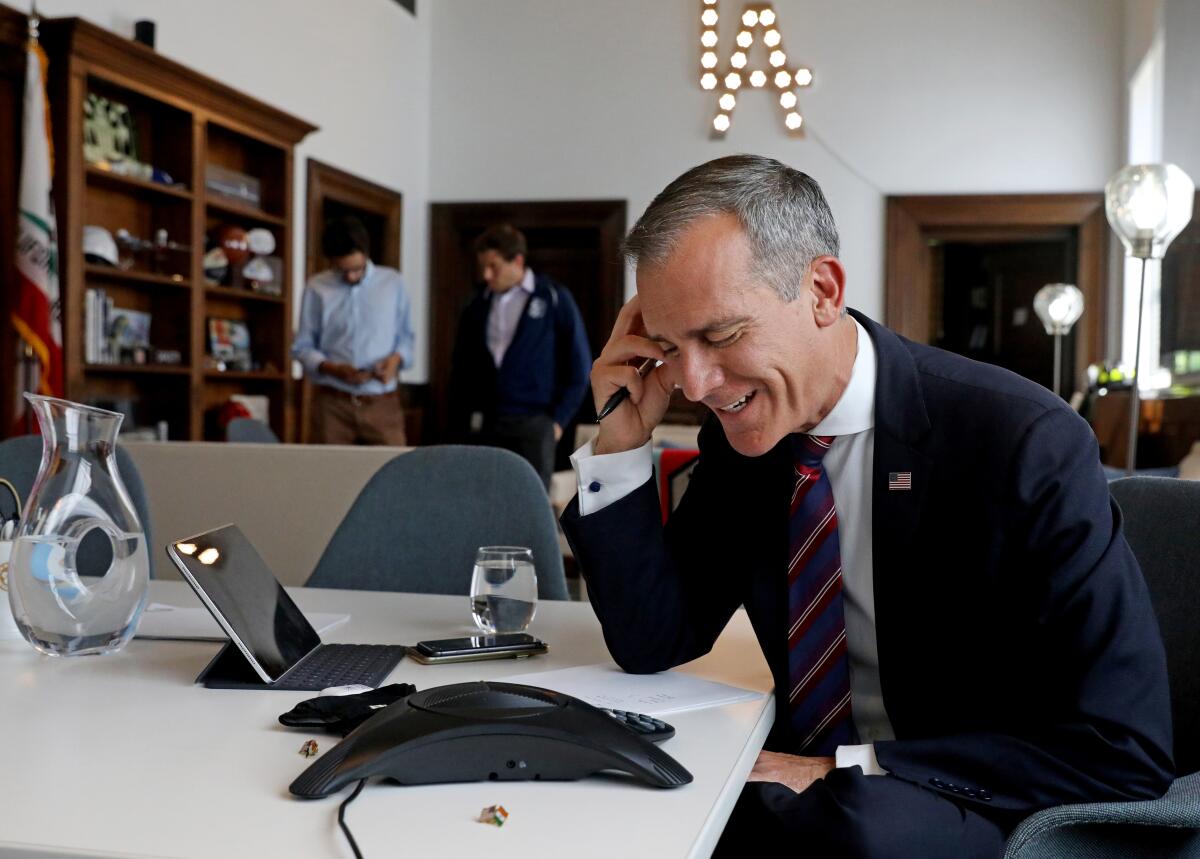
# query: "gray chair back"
250,430
417,523
1162,525
20,459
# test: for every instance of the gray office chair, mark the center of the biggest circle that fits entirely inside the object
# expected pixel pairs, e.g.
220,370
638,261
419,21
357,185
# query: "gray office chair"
417,523
1162,524
250,430
21,457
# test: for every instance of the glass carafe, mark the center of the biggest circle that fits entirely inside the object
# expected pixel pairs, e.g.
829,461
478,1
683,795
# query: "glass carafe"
67,602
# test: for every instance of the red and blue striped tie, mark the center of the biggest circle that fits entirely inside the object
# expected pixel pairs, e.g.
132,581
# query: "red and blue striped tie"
818,662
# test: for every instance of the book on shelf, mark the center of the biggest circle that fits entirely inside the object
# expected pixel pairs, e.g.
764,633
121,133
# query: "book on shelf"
98,310
114,335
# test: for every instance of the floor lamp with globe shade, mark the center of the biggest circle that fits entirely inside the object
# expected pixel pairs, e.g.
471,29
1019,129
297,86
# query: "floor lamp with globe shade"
1147,205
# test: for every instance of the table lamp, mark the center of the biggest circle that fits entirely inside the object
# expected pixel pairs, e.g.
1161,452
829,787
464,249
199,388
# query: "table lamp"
1059,306
1147,205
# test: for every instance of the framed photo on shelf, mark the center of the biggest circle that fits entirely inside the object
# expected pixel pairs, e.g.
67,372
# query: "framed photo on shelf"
229,343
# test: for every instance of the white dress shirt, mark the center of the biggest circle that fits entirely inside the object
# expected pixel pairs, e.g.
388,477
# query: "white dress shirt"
606,478
504,314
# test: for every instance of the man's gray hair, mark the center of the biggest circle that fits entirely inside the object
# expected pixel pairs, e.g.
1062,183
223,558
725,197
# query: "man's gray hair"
782,211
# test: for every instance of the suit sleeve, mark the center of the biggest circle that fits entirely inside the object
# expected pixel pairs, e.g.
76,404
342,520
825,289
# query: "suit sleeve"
662,594
574,360
1099,726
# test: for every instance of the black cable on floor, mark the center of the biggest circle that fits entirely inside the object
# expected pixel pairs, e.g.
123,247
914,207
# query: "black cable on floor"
342,818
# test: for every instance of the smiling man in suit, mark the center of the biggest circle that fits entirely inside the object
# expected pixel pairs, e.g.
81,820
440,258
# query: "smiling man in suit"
925,545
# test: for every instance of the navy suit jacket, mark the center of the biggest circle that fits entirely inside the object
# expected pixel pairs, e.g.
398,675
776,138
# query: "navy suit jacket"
545,368
1019,656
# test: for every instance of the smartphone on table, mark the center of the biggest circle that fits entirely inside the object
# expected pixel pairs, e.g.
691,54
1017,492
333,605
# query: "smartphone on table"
474,647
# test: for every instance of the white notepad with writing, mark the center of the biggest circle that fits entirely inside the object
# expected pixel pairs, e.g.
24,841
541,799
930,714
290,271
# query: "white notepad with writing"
608,686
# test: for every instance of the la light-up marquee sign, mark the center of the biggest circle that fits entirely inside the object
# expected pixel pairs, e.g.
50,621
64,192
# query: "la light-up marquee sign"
746,68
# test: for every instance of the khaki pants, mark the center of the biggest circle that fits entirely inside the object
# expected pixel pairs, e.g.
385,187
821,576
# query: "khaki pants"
341,418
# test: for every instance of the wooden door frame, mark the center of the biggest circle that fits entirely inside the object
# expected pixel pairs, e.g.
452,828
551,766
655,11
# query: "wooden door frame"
326,182
609,215
914,222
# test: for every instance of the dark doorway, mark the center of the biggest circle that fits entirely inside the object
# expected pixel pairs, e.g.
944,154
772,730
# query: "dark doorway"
1181,300
575,242
986,303
960,270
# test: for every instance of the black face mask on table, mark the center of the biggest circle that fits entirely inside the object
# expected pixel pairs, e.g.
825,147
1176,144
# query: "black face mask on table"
341,714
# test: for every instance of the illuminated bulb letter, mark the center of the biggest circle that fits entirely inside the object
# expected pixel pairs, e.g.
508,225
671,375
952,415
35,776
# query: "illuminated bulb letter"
742,64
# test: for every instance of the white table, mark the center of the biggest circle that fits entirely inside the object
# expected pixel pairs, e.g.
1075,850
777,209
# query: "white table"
124,756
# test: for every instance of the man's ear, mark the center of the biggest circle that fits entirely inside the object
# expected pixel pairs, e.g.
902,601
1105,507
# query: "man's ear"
828,290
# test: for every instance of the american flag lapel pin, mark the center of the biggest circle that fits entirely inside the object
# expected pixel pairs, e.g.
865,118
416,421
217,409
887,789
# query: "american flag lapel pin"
899,481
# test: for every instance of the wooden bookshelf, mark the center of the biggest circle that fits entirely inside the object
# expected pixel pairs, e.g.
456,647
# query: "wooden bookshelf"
247,375
136,369
225,293
93,272
255,215
183,123
97,176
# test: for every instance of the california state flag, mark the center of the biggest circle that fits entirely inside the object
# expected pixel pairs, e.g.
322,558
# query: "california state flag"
37,311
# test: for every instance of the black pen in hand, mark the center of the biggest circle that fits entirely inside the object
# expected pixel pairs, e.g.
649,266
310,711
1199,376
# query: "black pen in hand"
622,394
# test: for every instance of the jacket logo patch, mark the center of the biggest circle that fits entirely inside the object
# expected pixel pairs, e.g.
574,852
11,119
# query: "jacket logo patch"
537,308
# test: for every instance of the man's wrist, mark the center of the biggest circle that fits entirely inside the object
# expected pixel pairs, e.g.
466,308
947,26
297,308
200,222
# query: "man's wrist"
604,447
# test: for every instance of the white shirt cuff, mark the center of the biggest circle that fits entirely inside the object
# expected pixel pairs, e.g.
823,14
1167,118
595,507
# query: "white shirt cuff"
608,477
859,756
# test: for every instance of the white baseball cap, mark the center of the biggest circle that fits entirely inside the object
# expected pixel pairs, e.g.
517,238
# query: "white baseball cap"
260,241
99,245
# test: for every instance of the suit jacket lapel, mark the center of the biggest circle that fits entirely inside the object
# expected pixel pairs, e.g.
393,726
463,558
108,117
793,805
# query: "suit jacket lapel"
901,425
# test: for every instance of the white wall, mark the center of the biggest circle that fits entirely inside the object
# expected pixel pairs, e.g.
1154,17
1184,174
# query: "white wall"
574,98
359,70
1181,85
561,99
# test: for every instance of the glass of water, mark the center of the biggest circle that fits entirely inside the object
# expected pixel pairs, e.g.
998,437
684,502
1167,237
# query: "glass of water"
503,589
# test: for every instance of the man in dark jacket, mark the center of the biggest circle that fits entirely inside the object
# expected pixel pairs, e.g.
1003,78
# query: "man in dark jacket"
925,545
521,357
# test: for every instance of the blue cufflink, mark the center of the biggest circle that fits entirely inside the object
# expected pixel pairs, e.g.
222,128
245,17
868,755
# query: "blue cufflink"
594,486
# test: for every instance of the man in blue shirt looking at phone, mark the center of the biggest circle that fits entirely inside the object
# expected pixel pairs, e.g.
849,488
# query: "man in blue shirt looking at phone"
355,336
